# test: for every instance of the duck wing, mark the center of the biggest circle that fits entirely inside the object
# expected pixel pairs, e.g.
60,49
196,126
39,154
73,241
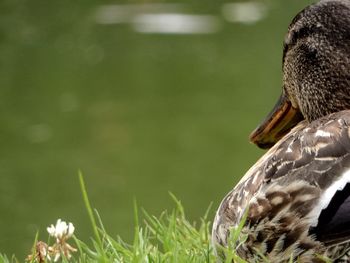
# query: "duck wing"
298,195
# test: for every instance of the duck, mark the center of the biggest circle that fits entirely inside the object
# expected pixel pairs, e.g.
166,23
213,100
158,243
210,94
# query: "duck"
294,202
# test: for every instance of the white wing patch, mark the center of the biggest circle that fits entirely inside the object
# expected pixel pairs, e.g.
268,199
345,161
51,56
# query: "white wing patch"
327,196
320,133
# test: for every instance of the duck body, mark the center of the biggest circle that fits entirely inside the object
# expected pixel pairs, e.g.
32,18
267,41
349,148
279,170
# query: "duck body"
297,196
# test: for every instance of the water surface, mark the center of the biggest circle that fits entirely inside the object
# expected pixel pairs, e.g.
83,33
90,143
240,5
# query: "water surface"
141,108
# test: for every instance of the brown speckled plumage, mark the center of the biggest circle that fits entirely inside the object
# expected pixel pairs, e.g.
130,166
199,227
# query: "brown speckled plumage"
298,193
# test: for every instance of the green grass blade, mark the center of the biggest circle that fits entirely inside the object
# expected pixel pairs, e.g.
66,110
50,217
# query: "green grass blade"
90,211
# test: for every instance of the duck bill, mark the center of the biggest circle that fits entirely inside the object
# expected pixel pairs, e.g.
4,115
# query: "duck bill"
279,122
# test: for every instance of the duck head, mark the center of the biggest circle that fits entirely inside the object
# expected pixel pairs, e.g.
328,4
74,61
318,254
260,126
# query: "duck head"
316,70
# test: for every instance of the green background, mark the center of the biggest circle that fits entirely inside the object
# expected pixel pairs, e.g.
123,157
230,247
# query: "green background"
139,114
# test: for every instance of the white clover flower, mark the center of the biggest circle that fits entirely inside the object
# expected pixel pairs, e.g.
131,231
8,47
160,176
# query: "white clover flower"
60,249
62,230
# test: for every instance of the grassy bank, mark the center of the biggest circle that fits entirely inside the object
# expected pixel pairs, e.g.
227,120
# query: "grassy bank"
170,237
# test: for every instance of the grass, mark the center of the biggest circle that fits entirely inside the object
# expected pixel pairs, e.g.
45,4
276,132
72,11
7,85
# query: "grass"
169,238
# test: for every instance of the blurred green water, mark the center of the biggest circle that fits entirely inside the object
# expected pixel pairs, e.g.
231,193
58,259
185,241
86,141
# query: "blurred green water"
139,114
